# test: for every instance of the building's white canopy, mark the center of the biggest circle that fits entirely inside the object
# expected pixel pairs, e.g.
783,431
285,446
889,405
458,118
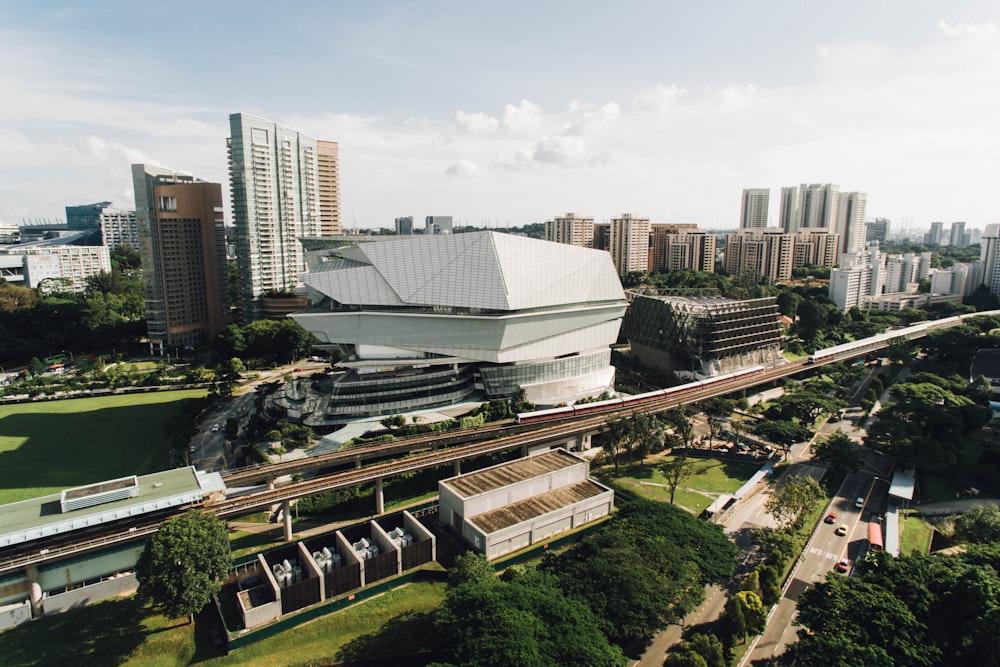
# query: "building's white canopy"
485,270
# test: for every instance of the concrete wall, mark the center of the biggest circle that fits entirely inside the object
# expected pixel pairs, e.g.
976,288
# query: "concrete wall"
543,527
121,585
15,614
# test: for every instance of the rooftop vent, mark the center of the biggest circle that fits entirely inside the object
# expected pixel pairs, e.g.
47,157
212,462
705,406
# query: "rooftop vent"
98,494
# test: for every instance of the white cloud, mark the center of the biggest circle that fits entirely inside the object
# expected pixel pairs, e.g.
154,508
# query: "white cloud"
658,98
851,61
738,95
521,160
560,150
478,123
463,168
525,118
594,121
961,29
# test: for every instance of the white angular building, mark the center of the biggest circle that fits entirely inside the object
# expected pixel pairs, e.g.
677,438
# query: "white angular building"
434,320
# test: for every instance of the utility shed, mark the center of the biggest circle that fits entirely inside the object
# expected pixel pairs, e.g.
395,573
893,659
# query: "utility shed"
514,505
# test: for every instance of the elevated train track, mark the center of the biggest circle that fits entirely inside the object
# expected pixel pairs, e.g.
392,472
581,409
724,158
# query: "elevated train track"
501,438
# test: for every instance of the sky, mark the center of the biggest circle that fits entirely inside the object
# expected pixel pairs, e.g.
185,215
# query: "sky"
505,114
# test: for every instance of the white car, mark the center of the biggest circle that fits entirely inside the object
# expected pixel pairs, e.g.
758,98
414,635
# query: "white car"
859,503
215,427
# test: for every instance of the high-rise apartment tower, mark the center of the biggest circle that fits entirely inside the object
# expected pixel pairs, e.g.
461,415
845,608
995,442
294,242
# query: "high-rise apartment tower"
571,229
284,186
630,243
753,210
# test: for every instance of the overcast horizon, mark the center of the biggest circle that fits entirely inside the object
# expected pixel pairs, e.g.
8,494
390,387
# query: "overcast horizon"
504,116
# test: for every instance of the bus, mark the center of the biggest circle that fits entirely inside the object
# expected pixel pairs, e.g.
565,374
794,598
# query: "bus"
55,359
875,536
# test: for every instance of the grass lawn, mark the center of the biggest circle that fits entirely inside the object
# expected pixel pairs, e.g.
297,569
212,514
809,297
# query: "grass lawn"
711,479
123,632
52,445
390,624
916,534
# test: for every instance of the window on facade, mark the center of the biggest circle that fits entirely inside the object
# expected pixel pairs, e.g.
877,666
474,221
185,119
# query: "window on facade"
168,203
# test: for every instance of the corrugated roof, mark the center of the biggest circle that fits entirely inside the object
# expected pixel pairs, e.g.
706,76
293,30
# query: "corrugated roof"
536,506
506,474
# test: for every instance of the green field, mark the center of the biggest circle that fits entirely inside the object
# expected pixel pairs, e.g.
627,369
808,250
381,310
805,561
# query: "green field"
52,445
123,632
915,534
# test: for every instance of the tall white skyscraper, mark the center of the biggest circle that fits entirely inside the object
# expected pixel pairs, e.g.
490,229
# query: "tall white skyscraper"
851,221
957,237
789,215
283,188
817,206
753,210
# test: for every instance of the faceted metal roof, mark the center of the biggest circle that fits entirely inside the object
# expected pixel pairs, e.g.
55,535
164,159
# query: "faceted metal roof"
487,270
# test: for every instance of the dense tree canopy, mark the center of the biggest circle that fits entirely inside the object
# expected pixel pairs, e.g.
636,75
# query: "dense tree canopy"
793,499
839,452
652,560
266,343
916,610
523,619
183,564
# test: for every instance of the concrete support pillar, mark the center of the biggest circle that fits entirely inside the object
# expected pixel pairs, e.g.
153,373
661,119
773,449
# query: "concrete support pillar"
379,497
357,463
286,513
458,468
270,484
34,592
524,450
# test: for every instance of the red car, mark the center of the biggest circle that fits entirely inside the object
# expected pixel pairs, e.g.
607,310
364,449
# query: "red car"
830,518
843,566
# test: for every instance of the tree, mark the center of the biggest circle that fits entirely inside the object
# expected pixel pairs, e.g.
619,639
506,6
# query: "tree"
717,410
777,544
732,624
183,564
754,613
782,433
795,496
394,421
979,524
633,436
705,647
522,619
840,453
675,470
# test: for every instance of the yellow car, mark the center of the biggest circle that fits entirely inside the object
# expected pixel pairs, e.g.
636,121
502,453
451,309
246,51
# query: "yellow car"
841,529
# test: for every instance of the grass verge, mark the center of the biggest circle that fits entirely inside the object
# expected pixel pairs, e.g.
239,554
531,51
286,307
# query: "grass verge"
915,534
48,446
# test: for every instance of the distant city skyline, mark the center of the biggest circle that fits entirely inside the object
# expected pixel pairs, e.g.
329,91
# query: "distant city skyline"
487,118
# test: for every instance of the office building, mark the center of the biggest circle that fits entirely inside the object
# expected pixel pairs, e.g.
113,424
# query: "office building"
630,243
877,232
434,320
284,186
676,247
702,335
957,237
935,235
850,221
404,226
109,226
753,208
602,236
571,229
183,250
437,224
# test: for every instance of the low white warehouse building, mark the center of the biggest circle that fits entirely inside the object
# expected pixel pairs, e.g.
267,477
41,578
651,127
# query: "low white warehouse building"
513,505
